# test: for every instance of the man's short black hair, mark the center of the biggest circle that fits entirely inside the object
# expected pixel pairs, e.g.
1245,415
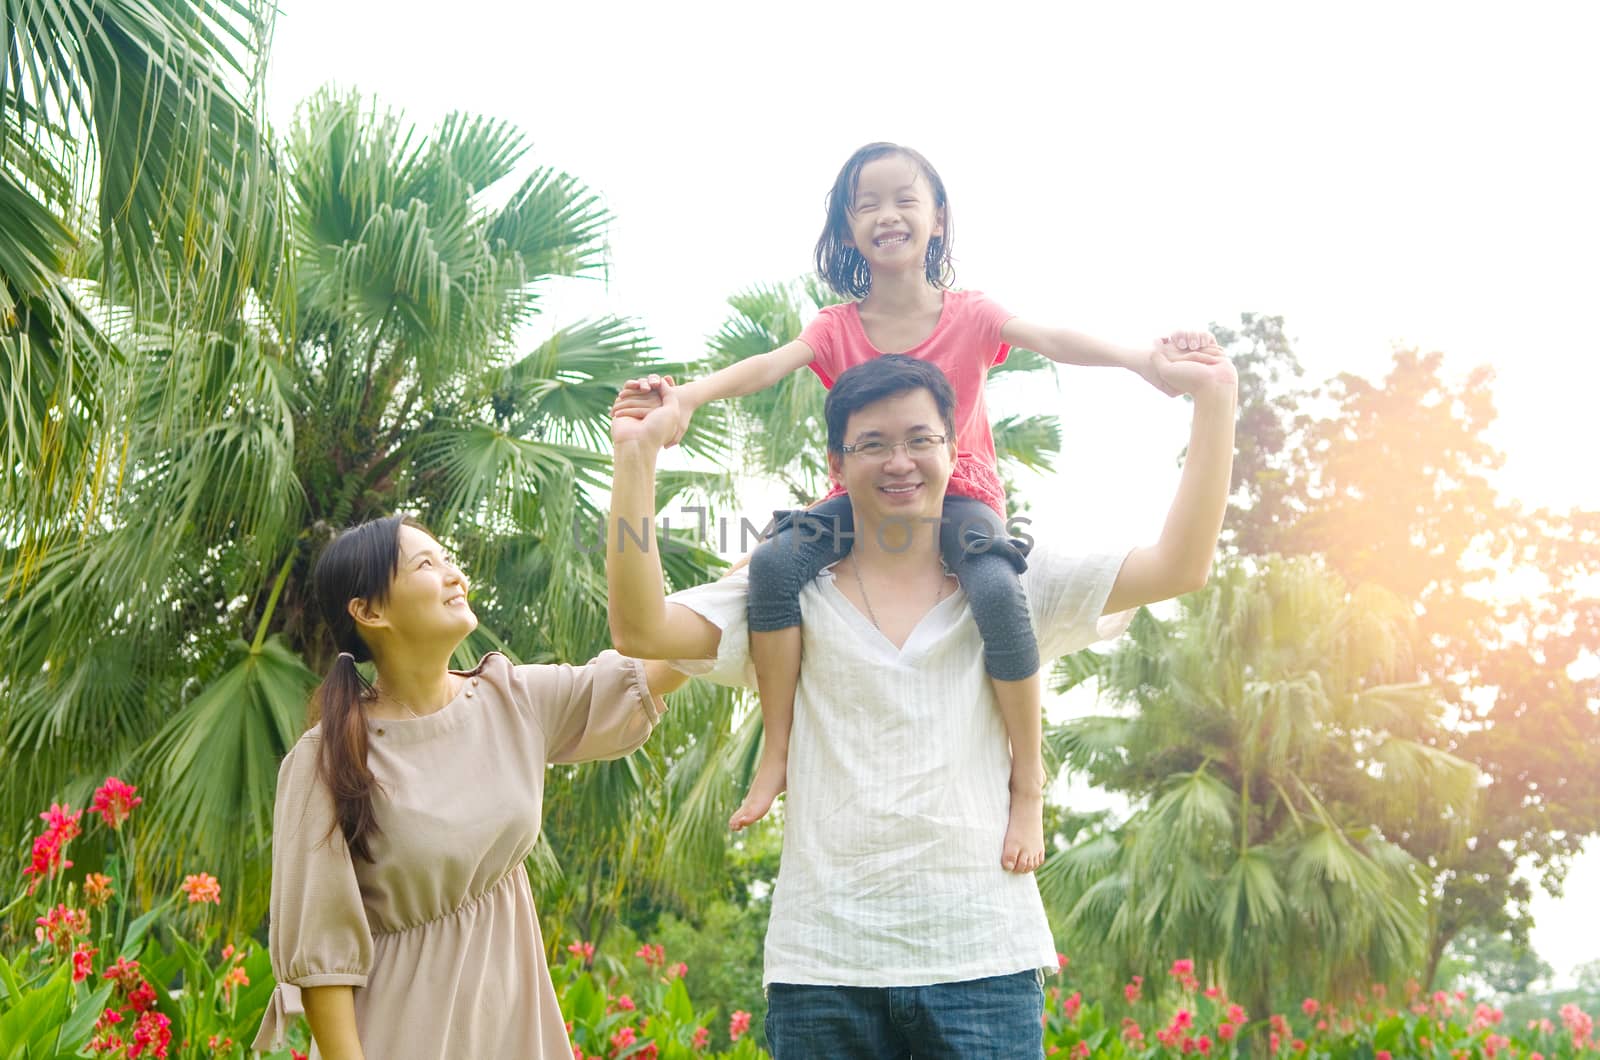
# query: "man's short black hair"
885,377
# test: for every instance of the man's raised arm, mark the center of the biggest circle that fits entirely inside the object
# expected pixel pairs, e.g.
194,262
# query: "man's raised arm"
643,624
1180,561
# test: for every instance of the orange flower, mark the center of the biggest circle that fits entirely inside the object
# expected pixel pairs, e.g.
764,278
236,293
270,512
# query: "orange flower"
97,889
202,887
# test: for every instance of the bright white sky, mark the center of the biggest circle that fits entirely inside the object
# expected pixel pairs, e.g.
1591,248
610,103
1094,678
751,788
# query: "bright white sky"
1420,174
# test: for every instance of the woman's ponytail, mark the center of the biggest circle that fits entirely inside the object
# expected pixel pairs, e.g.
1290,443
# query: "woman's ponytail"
358,564
344,753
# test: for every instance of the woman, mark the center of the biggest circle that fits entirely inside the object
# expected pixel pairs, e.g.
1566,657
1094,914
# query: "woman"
402,919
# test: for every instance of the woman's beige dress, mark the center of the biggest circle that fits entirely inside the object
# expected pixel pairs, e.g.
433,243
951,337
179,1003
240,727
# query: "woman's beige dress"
438,933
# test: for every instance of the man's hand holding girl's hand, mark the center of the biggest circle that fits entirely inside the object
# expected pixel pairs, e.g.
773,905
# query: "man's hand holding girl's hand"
638,397
646,411
1198,347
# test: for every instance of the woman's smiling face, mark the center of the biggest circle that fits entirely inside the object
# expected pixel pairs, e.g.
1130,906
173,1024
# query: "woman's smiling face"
427,601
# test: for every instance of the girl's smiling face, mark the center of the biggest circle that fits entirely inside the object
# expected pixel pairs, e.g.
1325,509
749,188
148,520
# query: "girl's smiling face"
893,215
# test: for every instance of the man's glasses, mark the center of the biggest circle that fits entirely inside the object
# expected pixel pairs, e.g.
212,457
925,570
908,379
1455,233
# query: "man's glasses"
877,452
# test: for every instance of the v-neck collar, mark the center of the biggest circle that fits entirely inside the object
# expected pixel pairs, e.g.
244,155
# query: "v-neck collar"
869,630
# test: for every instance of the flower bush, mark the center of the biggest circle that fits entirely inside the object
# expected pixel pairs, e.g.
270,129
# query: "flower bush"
84,974
1205,1023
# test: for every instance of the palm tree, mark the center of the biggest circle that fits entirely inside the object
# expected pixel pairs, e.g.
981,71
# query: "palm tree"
171,637
1276,749
133,175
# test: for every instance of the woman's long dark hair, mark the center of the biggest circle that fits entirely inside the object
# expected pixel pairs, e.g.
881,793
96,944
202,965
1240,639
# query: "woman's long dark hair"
359,564
839,263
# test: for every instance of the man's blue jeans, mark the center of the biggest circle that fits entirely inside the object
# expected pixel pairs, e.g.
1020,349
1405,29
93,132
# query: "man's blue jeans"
1000,1017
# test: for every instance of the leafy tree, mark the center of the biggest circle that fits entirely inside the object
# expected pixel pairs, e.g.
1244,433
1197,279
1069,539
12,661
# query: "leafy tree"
133,176
170,637
1392,482
1277,748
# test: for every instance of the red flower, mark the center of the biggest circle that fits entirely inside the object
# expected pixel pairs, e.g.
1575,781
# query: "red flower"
1225,1032
202,887
738,1025
123,971
1181,967
1062,962
50,849
1383,1054
625,1003
1081,1051
114,801
142,998
1073,1004
83,962
1310,1006
1204,1045
702,1037
97,889
1298,1045
153,1032
623,1038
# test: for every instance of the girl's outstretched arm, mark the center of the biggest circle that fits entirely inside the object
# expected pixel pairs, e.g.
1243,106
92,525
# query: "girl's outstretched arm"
736,380
1065,346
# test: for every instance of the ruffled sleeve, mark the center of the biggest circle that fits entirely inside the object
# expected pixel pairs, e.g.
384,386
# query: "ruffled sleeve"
319,935
600,710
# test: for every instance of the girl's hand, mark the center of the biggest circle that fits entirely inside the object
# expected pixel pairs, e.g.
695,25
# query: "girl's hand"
1188,362
637,398
1198,346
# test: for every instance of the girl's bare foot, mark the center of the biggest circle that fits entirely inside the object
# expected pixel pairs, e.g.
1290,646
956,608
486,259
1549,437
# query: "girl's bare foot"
1024,845
770,780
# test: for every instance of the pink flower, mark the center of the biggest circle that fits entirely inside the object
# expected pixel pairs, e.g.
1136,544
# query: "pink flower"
738,1025
625,1003
1061,962
1225,1032
623,1038
142,997
1213,992
1073,1004
1181,967
1383,1054
582,949
202,887
114,801
1298,1045
1310,1006
1235,1013
1204,1045
61,925
652,954
1081,1051
678,971
97,889
1131,990
702,1037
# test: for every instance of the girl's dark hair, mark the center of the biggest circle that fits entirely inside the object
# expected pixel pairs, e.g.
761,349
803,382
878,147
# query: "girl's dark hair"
840,264
360,563
885,377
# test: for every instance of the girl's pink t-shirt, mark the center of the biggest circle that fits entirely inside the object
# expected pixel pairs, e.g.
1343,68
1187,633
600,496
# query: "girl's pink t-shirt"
964,345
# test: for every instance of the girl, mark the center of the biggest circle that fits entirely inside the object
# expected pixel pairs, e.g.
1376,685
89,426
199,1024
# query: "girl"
886,243
401,915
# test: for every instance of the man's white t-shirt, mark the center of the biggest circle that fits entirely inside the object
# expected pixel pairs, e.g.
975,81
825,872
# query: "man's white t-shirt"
898,783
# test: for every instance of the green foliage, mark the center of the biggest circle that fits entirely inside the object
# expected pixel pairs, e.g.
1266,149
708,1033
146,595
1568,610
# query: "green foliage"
172,634
1277,756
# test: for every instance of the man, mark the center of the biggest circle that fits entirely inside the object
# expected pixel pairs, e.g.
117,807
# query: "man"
895,932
